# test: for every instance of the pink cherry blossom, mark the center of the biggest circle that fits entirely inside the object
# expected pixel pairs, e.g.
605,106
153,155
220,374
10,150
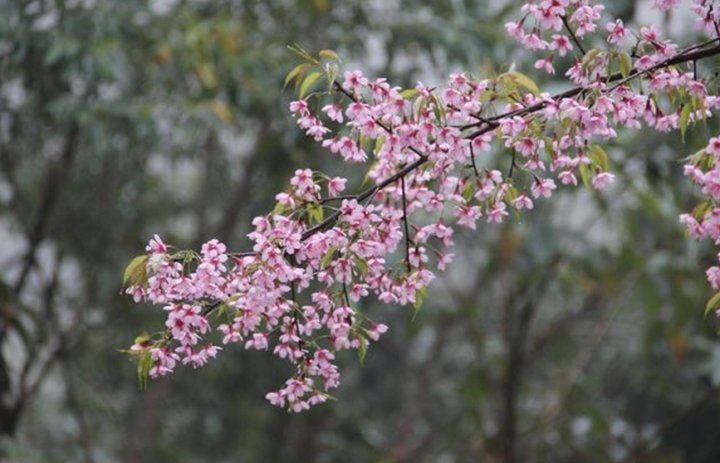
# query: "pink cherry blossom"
618,32
336,185
602,180
437,158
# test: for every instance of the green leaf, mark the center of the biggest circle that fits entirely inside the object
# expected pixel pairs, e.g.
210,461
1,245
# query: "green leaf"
419,105
142,339
703,110
590,57
712,304
220,310
585,175
279,209
136,271
329,255
549,148
361,265
684,119
598,155
701,210
419,300
364,142
379,143
367,180
362,350
511,194
328,54
143,368
315,212
625,64
296,73
409,93
184,256
469,191
307,83
438,109
300,51
524,81
487,95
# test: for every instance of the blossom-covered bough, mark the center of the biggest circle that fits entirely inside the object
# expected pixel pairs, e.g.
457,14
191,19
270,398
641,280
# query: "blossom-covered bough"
322,250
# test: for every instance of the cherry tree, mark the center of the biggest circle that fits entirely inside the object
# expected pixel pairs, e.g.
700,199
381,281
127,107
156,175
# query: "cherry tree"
427,154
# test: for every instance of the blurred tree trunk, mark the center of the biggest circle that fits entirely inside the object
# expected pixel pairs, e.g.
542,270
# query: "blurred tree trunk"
517,326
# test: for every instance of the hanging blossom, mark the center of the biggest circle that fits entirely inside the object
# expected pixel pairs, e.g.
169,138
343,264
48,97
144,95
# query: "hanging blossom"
437,158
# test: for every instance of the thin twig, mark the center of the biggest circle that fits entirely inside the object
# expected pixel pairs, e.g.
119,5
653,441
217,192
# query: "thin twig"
337,198
472,158
512,164
572,34
405,222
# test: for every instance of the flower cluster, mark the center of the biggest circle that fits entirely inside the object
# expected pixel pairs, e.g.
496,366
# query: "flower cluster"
704,170
432,156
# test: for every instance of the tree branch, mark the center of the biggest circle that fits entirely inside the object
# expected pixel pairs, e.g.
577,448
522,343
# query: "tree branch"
693,53
572,34
53,182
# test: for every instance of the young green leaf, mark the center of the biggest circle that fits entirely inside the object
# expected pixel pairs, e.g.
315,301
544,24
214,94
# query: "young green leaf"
598,155
329,255
469,191
296,73
684,119
524,81
625,64
328,54
712,304
143,368
585,175
136,271
409,93
361,265
362,350
419,300
315,212
590,57
307,83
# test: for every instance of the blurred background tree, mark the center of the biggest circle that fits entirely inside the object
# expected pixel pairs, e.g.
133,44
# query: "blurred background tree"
574,335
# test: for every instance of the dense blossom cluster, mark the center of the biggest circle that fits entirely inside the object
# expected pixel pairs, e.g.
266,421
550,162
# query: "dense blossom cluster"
431,169
704,221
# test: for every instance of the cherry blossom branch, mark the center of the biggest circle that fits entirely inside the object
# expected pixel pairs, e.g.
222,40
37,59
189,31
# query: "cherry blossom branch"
492,122
350,252
684,56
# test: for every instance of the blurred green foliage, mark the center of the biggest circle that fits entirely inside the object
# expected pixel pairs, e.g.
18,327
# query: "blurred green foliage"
574,335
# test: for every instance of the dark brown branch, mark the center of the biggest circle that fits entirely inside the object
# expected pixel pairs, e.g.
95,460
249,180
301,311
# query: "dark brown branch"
693,53
573,37
685,56
405,223
472,158
512,164
337,198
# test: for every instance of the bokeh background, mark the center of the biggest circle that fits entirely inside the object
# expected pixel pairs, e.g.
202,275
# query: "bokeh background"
575,334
